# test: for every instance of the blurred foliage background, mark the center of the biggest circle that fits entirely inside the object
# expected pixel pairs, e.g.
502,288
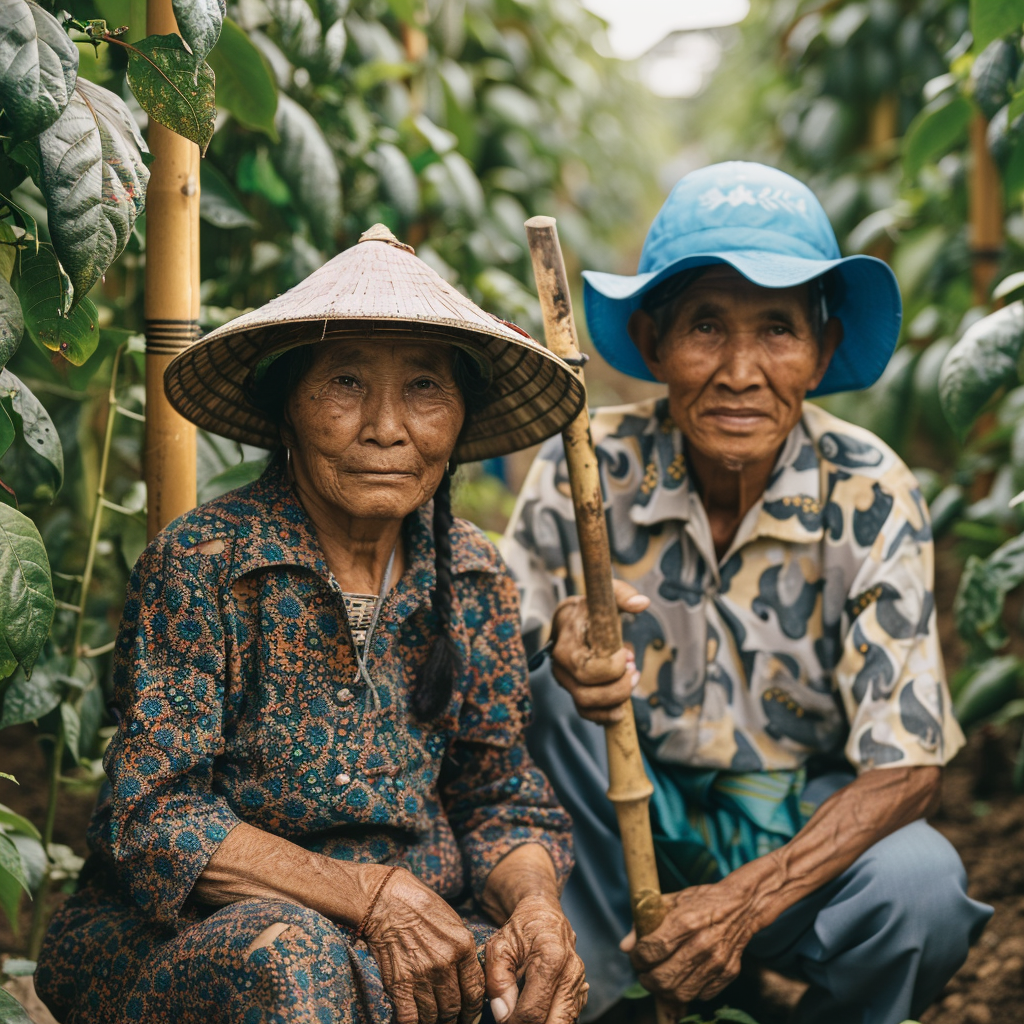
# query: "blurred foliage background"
452,121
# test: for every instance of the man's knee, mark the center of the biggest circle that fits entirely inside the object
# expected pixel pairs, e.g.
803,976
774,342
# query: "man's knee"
918,887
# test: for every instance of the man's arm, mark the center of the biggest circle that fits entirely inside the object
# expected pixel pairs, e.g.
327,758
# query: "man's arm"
696,951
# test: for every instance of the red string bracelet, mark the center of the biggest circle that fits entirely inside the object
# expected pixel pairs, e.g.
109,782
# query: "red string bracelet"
361,930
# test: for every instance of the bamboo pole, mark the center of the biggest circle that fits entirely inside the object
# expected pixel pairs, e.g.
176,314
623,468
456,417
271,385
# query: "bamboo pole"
986,212
171,304
629,788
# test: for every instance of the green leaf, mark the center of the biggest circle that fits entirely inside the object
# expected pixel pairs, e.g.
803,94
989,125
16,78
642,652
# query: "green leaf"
38,67
995,683
1008,286
199,22
11,1011
12,322
72,728
10,862
26,594
45,299
10,778
980,363
232,477
14,822
991,19
736,1016
307,164
935,131
218,204
398,179
978,604
8,253
992,75
94,179
29,699
245,81
37,429
172,88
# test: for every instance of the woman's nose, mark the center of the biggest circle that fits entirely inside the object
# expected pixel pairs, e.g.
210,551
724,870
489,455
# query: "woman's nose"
384,424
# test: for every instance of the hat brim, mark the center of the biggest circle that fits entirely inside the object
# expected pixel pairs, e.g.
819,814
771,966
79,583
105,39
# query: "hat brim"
870,310
533,394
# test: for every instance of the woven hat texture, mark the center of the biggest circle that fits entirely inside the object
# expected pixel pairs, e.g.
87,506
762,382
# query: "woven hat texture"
378,289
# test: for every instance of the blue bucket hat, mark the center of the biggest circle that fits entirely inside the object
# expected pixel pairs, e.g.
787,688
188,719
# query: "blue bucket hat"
772,229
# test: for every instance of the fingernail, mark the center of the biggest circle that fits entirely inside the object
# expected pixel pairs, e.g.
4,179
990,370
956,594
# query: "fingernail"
500,1009
478,1017
636,678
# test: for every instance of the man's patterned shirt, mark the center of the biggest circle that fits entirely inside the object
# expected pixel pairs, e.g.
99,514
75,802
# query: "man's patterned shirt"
814,634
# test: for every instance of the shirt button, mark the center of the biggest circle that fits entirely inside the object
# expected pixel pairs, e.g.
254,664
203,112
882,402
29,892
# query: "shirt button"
343,696
342,779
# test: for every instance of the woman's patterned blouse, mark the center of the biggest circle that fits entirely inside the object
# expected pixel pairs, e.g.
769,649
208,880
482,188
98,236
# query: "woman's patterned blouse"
242,701
814,634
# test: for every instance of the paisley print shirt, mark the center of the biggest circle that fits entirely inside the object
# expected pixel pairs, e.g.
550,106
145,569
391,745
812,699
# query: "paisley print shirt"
814,634
242,701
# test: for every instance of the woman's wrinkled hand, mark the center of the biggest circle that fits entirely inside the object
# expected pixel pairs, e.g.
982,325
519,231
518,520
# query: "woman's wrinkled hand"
538,945
598,686
427,956
696,951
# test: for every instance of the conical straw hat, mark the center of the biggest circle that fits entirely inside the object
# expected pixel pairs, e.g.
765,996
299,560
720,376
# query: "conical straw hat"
378,289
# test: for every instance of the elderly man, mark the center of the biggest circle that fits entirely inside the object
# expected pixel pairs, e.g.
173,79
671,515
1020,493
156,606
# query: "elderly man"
775,568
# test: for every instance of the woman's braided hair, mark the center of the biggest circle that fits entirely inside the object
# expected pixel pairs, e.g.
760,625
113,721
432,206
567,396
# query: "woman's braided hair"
432,688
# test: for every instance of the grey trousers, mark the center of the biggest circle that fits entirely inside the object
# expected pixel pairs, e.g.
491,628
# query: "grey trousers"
877,944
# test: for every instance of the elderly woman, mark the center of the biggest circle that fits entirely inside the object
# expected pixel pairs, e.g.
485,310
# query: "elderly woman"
320,800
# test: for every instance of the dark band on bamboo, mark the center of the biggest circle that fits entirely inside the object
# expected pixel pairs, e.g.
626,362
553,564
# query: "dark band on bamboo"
169,337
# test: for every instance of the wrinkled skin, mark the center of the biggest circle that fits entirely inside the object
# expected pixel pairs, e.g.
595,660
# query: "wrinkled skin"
370,429
738,360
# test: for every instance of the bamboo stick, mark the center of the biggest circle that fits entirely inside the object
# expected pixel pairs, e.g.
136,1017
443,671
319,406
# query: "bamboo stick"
986,212
629,788
171,305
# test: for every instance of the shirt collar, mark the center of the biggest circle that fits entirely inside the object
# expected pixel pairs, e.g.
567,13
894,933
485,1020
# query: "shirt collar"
791,508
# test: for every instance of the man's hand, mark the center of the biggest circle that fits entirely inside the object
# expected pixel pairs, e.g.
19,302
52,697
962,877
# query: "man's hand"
537,944
598,686
427,956
696,950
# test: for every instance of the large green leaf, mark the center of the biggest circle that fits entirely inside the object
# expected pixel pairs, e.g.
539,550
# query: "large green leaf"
14,822
12,322
29,699
992,75
94,179
991,19
38,68
12,884
995,683
26,593
45,298
935,131
218,203
306,162
199,22
37,429
172,88
980,363
398,179
245,81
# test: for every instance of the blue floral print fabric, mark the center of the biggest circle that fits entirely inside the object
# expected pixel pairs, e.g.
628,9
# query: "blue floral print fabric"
814,634
242,701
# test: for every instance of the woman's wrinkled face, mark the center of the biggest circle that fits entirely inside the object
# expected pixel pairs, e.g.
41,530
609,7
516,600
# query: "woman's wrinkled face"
738,360
371,425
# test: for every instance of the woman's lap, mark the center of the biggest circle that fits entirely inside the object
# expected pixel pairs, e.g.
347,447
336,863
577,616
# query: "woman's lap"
105,964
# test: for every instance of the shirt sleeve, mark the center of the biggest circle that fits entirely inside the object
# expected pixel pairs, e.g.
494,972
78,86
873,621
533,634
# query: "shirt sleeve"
169,668
890,671
540,545
495,797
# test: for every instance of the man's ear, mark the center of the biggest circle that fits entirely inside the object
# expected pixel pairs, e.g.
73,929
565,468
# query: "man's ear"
831,339
645,336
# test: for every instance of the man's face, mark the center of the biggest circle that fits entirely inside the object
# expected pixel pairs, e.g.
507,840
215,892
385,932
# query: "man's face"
738,360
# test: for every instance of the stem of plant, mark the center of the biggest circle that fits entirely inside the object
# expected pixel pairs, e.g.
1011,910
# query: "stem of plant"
40,917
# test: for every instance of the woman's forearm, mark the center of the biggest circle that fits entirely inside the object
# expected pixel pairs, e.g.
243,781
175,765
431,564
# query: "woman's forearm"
845,826
253,864
527,871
